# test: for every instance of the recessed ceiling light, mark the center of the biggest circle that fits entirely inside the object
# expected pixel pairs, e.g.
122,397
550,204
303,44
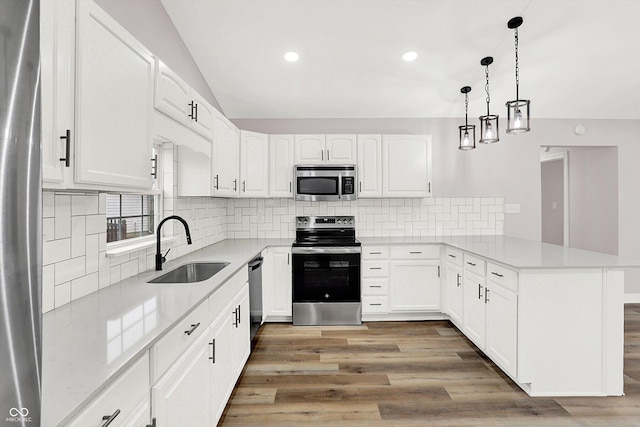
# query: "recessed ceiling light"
410,56
291,56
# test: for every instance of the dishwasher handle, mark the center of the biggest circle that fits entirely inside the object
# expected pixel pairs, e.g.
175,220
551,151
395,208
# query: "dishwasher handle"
255,263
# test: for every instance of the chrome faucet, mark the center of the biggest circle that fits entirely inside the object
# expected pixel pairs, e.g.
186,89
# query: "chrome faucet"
162,258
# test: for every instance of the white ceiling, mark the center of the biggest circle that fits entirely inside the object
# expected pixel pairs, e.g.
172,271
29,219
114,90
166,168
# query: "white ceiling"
578,58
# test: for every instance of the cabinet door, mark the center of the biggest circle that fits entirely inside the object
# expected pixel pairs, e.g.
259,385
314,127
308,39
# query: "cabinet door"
281,166
369,165
309,149
242,340
57,52
453,278
202,120
474,318
194,166
502,323
114,100
413,286
340,149
171,93
254,164
222,348
276,290
183,395
226,151
406,165
140,416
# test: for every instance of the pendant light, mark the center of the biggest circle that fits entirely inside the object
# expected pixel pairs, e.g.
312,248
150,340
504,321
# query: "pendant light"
518,110
467,131
488,122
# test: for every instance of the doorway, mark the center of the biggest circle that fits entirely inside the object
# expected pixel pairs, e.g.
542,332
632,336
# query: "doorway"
579,197
554,169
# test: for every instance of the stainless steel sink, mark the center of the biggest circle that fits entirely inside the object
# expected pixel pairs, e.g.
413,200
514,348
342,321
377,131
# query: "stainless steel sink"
191,273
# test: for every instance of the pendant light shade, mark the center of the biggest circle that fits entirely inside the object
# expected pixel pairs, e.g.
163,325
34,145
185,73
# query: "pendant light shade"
467,131
518,110
489,132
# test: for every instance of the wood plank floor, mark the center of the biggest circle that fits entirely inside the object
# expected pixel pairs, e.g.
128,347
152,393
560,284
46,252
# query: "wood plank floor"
406,374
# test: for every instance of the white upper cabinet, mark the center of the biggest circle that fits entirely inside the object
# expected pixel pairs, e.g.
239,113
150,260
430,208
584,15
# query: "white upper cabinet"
57,53
175,98
281,166
309,149
406,165
114,103
340,149
254,164
226,152
325,149
369,165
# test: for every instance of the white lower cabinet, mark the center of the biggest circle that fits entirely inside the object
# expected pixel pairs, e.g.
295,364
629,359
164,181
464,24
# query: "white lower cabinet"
474,324
123,402
453,285
183,395
276,284
195,388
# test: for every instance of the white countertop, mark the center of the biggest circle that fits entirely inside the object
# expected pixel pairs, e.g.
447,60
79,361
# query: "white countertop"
88,342
516,253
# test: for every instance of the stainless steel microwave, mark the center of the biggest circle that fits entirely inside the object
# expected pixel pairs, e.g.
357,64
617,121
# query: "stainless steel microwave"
325,182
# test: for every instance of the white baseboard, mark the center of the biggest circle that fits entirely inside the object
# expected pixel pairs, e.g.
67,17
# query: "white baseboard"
631,298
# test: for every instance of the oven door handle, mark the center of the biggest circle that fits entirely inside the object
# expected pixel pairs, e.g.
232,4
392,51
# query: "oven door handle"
327,250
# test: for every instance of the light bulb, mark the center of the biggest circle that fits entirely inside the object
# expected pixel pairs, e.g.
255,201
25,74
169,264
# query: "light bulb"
517,123
465,139
488,133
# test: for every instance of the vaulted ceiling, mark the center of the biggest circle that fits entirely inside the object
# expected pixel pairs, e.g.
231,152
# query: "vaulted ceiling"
578,58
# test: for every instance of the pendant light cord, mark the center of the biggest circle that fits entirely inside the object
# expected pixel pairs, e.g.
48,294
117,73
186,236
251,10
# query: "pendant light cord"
517,67
486,87
466,109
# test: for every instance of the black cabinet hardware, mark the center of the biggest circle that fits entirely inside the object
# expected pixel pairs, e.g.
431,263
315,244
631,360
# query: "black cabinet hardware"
480,291
109,418
213,351
438,271
471,264
67,156
497,274
153,423
244,186
194,326
486,296
415,252
458,280
216,178
452,256
154,167
235,185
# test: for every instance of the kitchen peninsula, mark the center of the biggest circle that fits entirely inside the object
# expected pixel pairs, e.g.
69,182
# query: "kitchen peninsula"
562,334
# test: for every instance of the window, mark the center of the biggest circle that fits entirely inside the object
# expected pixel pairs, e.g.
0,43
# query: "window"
130,216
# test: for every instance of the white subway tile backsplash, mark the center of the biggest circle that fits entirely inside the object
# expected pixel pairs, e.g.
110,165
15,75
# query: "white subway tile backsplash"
48,294
84,286
92,252
96,224
56,251
70,269
62,294
62,216
78,235
85,205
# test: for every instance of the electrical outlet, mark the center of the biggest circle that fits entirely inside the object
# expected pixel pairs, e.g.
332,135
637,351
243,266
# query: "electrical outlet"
511,208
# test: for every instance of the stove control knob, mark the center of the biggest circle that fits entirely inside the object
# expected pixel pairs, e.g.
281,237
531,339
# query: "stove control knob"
338,221
326,296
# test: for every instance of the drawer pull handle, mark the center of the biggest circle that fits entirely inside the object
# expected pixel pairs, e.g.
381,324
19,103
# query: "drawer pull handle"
480,290
415,252
472,264
377,303
67,149
486,296
458,280
194,326
153,423
375,268
213,351
375,286
109,418
375,253
452,256
497,274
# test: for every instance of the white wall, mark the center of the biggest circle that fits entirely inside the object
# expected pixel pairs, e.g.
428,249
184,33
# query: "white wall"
508,169
553,201
148,21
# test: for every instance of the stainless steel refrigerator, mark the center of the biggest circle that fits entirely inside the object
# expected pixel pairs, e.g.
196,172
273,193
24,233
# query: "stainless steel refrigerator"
20,214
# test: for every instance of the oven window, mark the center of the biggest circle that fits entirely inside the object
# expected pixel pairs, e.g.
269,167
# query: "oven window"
316,185
326,278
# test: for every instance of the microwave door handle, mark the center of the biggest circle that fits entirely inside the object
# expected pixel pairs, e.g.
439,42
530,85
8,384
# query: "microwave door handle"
339,186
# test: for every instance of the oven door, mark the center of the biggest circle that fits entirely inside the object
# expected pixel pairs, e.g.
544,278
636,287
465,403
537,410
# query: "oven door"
326,274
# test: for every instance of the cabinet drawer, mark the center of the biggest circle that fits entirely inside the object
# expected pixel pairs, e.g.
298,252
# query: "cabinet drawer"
124,394
375,252
374,305
453,256
177,340
504,277
474,264
375,269
415,252
375,286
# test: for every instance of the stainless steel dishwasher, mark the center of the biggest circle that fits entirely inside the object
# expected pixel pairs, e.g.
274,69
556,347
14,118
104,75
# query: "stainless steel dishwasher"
255,295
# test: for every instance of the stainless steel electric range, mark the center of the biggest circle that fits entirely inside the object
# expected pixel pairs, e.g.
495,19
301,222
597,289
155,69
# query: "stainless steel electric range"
326,271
